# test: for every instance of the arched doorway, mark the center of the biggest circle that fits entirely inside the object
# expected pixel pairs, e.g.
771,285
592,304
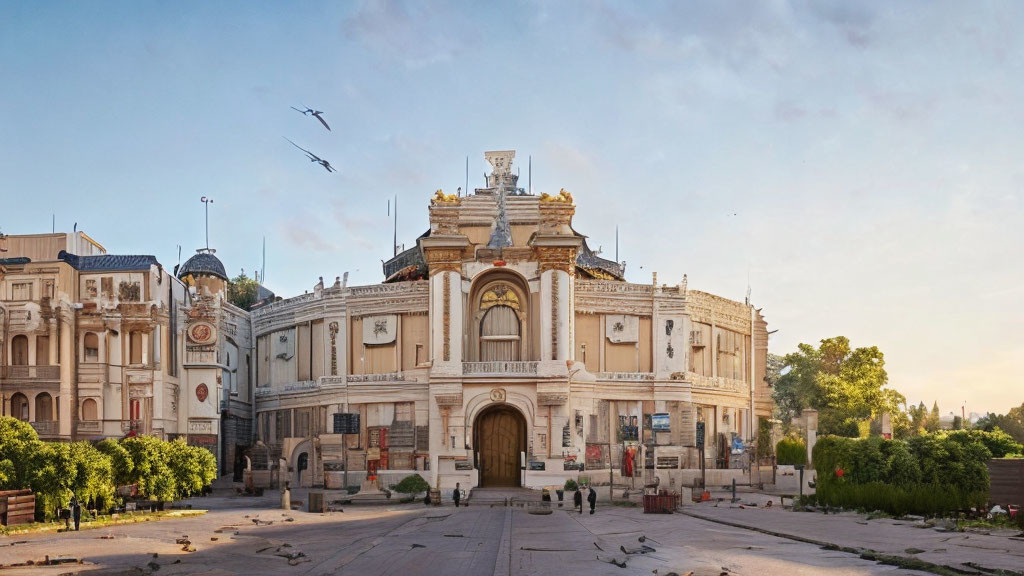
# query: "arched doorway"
499,436
19,406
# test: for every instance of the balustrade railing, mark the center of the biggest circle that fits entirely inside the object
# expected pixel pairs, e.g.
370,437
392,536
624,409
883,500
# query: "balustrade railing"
499,368
31,372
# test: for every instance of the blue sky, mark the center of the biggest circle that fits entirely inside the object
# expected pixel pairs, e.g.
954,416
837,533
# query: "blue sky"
859,163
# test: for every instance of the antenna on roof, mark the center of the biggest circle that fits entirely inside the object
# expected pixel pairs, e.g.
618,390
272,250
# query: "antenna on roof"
206,205
617,245
179,257
394,239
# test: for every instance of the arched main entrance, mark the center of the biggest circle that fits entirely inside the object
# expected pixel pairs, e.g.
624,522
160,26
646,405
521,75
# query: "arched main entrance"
499,436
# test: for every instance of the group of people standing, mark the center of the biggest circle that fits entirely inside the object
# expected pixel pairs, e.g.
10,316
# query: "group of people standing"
577,499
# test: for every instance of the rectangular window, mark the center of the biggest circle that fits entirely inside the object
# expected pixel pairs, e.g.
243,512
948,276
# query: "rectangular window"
283,425
107,287
22,291
135,341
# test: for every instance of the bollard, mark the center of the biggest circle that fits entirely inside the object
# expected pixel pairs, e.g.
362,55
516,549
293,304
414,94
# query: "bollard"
286,498
734,490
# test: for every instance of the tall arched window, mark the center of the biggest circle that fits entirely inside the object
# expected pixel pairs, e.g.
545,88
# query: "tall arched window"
19,406
44,407
500,326
90,410
92,347
19,350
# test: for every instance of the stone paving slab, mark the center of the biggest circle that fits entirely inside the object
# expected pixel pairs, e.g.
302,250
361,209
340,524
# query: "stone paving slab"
959,550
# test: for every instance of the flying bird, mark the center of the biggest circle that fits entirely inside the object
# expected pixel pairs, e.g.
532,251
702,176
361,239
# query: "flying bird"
310,112
314,158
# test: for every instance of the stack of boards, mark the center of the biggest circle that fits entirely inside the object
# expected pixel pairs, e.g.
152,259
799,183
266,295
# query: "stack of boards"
17,507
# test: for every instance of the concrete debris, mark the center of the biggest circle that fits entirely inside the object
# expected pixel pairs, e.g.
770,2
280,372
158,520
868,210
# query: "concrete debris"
153,566
184,541
418,546
643,538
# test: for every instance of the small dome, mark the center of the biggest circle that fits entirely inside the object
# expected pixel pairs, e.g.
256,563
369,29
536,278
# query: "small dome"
203,263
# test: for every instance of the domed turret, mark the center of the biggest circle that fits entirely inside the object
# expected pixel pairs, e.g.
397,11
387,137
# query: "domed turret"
204,270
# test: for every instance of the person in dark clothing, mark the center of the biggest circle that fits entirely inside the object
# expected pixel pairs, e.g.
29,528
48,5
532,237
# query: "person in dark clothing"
76,511
456,495
592,498
577,499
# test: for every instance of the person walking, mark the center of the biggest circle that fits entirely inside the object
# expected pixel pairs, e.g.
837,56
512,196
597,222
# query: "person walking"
577,499
592,499
76,511
457,494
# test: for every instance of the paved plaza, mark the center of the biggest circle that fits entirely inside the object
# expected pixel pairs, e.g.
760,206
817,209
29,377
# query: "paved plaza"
250,536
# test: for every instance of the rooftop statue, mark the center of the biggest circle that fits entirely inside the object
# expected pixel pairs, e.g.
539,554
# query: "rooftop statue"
441,198
563,196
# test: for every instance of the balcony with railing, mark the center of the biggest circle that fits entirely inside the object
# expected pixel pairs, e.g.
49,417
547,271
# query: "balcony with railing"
46,427
500,368
90,426
30,373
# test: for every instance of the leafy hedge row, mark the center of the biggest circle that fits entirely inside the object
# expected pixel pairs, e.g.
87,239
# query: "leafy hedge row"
791,452
931,474
56,471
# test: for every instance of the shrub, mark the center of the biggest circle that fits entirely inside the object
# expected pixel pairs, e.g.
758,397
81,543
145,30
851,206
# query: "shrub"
570,485
791,451
120,460
901,468
764,438
150,469
999,443
412,484
193,467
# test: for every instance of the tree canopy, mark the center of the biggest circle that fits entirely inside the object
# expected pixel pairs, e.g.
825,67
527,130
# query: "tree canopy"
845,385
243,291
1012,423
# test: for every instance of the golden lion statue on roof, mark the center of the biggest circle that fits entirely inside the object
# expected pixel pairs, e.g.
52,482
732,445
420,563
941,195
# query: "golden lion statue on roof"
563,196
441,198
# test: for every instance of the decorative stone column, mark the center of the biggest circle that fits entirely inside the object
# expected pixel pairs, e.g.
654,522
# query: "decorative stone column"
556,246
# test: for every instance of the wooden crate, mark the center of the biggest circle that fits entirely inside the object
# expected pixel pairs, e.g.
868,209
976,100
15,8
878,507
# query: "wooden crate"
1006,477
17,507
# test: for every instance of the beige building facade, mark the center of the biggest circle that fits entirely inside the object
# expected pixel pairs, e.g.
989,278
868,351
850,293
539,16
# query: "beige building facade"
502,351
94,345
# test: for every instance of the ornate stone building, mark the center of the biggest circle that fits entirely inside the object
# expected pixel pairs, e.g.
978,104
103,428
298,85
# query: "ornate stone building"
502,351
94,345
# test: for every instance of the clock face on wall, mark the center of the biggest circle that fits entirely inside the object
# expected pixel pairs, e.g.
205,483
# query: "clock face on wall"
202,333
202,392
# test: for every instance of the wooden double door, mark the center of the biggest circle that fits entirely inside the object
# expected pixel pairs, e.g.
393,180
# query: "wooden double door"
499,438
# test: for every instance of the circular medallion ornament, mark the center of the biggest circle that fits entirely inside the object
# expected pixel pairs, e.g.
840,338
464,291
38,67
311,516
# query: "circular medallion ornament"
202,333
498,395
202,392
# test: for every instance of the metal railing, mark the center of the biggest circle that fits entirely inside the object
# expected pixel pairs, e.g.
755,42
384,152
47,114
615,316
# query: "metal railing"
499,368
90,426
46,427
30,372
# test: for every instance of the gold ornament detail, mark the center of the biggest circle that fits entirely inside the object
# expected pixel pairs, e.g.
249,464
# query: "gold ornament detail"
556,258
441,198
446,330
563,197
500,295
444,260
554,316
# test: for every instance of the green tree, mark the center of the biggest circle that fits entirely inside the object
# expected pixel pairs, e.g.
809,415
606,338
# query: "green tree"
193,467
150,468
121,462
1012,423
19,448
93,477
846,386
932,423
243,291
